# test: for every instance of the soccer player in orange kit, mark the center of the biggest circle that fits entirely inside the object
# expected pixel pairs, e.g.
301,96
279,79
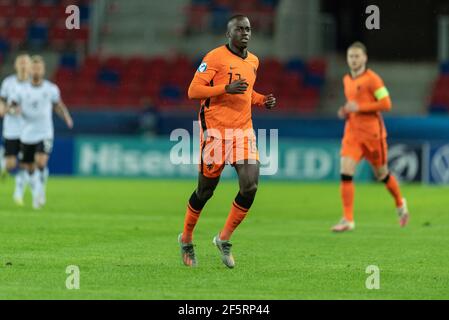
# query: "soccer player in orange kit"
224,82
365,135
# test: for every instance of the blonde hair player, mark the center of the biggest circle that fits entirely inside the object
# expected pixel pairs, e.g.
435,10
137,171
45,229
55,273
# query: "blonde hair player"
12,121
36,102
365,135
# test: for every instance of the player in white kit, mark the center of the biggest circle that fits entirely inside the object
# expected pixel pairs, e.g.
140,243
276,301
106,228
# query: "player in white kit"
12,121
36,102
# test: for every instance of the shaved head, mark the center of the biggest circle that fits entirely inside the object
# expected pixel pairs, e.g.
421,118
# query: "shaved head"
239,33
232,20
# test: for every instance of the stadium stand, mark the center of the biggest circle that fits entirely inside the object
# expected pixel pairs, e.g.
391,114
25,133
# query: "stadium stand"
128,83
213,14
40,24
439,102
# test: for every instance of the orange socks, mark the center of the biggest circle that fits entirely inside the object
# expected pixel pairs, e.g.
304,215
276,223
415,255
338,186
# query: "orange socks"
190,221
194,208
347,196
393,187
239,210
236,215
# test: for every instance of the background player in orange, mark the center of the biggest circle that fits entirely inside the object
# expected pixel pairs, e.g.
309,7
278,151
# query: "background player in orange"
365,134
224,83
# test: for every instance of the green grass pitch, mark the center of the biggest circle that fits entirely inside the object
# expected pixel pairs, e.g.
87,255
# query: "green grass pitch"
123,236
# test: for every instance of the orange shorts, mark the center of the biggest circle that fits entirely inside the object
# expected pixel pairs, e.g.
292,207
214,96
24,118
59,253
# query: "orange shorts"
216,153
373,150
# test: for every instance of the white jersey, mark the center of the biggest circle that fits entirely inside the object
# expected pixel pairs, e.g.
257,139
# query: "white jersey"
12,124
37,104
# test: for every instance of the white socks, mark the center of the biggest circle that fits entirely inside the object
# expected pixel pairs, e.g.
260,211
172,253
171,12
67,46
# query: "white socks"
43,176
36,187
20,184
37,182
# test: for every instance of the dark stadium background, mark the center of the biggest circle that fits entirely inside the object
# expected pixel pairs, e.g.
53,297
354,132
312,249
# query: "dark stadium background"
124,75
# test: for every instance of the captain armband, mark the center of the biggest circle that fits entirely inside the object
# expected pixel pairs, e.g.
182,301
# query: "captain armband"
381,93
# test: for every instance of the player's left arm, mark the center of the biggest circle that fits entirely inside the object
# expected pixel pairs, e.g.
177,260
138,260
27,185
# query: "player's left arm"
3,107
60,108
62,111
380,93
3,100
267,101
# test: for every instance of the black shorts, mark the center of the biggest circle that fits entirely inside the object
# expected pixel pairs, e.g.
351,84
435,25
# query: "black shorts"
28,151
12,147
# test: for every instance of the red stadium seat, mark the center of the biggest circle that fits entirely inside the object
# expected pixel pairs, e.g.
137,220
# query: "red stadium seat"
80,36
197,17
114,63
151,89
4,22
440,97
317,66
16,35
6,10
45,12
83,88
24,12
270,65
74,101
142,79
58,36
25,3
64,75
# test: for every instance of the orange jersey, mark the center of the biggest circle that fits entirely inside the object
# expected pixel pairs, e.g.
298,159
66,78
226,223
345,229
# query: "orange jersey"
369,92
220,110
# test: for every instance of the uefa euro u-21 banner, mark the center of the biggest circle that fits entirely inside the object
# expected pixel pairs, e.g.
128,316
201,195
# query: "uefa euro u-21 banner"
178,157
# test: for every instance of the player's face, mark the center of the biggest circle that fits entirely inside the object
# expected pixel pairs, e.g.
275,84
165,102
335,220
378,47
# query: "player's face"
38,70
22,66
240,32
356,59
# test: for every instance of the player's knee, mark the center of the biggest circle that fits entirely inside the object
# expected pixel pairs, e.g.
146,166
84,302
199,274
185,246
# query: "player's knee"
10,164
249,190
205,194
383,177
41,164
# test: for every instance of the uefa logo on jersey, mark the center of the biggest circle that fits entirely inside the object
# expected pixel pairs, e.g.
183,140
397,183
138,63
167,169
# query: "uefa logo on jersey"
202,67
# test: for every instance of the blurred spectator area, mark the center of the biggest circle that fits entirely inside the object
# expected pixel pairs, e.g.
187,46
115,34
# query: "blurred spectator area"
135,82
41,24
439,100
211,15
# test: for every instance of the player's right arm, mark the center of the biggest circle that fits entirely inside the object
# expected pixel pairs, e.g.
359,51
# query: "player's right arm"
201,88
3,100
13,106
